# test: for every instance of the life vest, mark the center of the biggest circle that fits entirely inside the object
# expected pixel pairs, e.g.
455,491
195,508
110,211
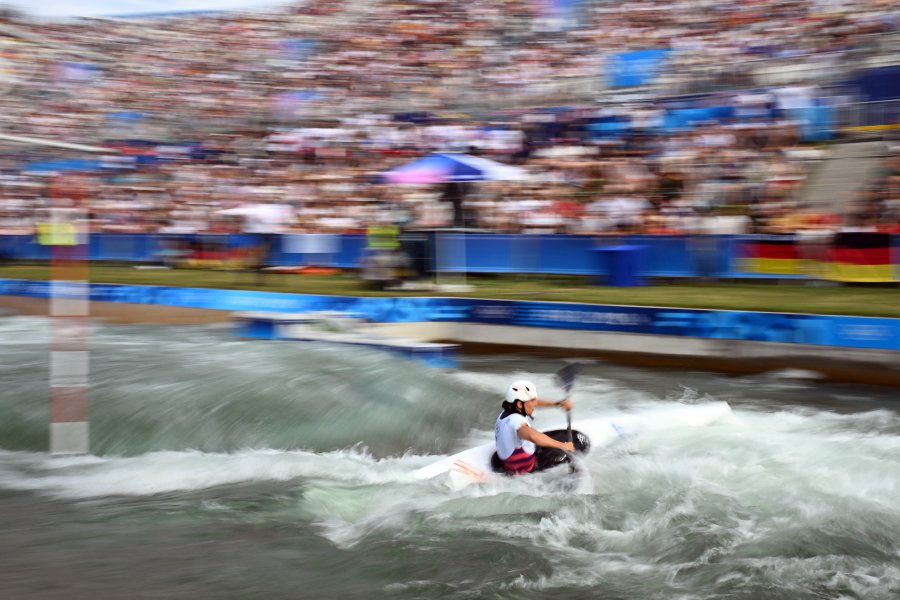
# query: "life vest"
520,460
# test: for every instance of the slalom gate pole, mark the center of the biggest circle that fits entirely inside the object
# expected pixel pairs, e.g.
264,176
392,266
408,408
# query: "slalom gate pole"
69,308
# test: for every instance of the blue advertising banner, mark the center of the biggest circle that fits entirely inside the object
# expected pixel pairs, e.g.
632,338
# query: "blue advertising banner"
685,118
63,165
791,328
825,330
879,84
639,67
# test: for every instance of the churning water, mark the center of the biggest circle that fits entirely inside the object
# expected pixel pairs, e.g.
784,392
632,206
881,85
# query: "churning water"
252,469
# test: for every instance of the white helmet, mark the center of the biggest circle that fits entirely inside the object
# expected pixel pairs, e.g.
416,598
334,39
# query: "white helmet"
521,390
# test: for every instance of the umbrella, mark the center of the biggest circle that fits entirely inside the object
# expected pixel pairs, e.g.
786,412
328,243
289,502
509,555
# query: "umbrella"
446,168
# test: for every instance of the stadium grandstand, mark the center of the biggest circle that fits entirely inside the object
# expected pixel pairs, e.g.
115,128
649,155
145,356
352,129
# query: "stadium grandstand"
640,116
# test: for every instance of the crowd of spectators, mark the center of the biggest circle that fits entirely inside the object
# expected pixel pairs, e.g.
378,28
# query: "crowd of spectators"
878,207
302,108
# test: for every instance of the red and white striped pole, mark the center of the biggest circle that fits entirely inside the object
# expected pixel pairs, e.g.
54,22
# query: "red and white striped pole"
69,311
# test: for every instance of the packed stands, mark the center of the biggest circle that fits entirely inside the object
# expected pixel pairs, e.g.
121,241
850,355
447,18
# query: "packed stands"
642,116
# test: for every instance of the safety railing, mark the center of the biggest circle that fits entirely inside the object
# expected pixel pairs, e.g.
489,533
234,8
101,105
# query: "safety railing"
869,114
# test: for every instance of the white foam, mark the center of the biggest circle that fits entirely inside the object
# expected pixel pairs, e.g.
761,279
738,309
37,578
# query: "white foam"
162,472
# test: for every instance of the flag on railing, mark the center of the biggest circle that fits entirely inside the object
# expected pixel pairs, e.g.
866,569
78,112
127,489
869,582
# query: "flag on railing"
774,255
862,257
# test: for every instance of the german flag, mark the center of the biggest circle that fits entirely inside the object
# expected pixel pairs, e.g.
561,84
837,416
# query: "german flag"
863,257
776,255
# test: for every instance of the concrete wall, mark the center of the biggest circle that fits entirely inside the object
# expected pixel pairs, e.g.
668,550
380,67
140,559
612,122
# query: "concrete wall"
876,367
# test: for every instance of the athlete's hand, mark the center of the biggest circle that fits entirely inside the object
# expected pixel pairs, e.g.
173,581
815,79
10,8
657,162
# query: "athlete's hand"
566,404
569,447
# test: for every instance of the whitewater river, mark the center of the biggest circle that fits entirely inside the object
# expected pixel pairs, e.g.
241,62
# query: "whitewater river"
229,469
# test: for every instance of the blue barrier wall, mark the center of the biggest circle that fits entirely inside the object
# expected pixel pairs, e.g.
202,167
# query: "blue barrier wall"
826,330
658,255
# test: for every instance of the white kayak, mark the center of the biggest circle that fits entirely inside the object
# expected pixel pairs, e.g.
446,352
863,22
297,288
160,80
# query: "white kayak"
474,465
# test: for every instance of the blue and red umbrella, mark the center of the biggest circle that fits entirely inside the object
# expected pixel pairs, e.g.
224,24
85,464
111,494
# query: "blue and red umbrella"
445,168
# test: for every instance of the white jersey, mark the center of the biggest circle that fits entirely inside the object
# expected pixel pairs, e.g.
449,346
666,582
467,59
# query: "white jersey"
507,438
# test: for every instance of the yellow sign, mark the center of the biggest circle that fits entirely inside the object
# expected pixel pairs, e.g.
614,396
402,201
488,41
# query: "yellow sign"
55,233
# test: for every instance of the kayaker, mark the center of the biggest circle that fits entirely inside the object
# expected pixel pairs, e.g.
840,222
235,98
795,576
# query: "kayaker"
520,447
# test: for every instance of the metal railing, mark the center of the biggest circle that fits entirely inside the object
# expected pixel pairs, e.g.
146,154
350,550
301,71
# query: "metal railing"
879,113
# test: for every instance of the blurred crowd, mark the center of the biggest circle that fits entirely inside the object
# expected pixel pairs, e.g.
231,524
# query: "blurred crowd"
303,107
878,207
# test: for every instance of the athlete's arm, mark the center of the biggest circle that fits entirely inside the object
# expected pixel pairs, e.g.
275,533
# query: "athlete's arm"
529,433
563,404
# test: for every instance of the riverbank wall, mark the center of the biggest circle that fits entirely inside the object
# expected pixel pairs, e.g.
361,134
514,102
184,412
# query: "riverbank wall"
840,348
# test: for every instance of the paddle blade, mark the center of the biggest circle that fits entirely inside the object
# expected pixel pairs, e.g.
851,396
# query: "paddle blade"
565,377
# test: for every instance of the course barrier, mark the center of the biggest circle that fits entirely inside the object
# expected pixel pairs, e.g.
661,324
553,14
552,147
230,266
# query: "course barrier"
789,328
859,256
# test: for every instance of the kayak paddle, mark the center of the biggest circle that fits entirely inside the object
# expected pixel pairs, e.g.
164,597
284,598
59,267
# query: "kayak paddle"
565,378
